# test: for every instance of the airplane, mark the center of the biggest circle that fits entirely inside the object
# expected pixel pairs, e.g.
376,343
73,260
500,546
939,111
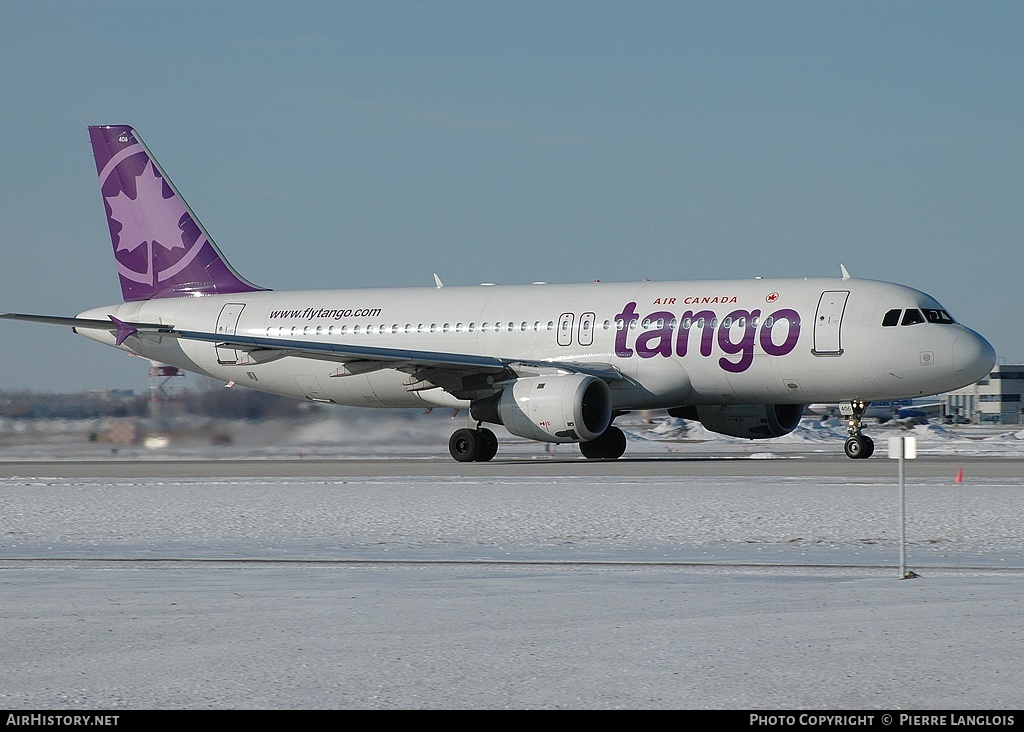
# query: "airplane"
553,363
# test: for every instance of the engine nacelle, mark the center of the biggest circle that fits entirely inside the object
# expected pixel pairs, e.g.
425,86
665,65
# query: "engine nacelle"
751,421
558,408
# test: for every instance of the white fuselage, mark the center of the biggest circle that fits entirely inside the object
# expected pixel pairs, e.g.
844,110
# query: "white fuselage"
675,343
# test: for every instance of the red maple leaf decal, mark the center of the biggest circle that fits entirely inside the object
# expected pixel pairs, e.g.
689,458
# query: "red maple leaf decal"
149,216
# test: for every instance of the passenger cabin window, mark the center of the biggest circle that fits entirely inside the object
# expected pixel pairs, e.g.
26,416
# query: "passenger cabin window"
891,318
912,317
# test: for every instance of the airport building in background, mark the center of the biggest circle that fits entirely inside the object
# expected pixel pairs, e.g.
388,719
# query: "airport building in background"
996,399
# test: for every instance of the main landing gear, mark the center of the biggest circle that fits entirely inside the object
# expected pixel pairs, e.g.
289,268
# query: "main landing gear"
467,446
609,445
480,445
858,446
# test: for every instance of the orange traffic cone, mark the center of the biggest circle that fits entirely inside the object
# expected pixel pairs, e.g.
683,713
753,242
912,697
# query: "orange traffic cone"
959,476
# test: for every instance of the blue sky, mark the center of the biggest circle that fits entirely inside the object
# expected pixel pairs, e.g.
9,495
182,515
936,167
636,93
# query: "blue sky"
360,144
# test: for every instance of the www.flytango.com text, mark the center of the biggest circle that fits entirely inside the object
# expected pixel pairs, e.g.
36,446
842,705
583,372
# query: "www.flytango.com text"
324,313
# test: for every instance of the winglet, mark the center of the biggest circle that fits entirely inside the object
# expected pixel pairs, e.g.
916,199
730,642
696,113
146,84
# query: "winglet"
846,274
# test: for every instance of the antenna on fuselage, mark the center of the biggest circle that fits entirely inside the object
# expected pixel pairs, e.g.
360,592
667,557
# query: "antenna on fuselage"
437,281
846,274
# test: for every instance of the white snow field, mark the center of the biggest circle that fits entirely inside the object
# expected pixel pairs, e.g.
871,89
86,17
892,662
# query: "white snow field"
339,432
536,591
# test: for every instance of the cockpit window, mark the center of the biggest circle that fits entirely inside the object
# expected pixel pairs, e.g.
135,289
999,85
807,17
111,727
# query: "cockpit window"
938,316
912,317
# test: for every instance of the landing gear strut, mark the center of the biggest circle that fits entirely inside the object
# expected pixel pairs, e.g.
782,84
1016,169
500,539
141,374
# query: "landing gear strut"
467,446
858,446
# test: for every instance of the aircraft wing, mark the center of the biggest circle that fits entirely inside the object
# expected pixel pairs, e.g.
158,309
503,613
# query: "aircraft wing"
459,373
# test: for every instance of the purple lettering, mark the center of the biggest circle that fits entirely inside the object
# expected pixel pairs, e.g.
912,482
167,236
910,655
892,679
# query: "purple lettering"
707,321
746,343
736,335
627,316
792,318
662,335
703,320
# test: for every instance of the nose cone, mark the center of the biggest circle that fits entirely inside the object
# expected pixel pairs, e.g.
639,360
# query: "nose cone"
973,356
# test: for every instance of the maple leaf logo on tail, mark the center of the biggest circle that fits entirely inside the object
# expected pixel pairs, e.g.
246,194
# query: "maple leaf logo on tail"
149,217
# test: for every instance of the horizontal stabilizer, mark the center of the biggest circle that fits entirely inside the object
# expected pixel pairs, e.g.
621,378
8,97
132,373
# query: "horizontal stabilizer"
85,323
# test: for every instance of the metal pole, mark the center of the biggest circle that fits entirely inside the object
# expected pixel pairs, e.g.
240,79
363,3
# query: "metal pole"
903,510
903,449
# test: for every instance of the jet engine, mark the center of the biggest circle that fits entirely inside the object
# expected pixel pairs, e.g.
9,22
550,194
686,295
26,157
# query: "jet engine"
751,421
556,408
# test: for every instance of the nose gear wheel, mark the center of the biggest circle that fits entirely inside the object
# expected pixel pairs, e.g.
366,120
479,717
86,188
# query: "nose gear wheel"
858,446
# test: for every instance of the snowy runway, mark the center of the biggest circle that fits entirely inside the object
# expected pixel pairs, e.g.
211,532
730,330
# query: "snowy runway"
652,631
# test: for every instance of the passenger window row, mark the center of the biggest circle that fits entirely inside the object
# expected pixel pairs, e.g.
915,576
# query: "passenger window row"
688,323
510,327
408,328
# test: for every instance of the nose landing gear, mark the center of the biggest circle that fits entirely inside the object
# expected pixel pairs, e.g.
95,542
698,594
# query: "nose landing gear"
858,446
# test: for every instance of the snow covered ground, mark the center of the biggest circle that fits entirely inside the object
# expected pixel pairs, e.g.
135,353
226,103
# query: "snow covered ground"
802,520
524,592
349,432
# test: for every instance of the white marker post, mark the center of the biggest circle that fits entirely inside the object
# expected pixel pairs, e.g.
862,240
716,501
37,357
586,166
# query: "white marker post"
903,448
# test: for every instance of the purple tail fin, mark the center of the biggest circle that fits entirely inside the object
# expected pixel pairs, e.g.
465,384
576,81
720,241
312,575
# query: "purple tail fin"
161,248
